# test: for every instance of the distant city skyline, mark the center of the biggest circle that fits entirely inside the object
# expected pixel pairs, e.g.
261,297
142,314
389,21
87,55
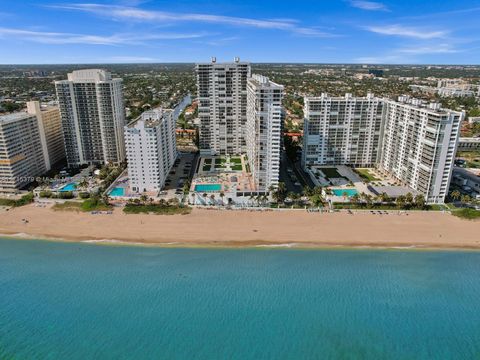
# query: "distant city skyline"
338,31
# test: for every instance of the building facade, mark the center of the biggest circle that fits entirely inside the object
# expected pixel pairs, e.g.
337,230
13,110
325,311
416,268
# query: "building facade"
51,134
419,145
151,150
93,117
469,144
21,155
264,131
222,106
342,130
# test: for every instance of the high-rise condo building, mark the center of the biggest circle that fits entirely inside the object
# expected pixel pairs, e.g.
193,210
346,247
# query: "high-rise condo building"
151,150
21,155
342,130
263,130
222,106
50,128
93,117
419,145
410,140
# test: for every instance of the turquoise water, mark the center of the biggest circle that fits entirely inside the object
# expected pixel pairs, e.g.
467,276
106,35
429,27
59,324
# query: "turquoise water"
341,192
68,187
85,301
117,191
208,187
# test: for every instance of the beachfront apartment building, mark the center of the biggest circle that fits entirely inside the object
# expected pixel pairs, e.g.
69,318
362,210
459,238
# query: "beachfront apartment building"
22,158
50,128
93,117
263,131
419,144
342,130
151,150
222,106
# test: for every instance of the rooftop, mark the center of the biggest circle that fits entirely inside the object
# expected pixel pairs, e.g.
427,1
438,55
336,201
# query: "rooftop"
15,116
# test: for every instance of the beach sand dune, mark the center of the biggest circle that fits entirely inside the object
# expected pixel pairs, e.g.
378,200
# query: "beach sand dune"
240,228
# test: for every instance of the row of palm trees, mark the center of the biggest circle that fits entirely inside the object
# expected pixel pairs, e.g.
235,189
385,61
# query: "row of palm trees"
466,199
205,197
406,201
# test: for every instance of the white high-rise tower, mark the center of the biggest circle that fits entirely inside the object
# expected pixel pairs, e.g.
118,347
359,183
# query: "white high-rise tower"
93,117
222,106
264,126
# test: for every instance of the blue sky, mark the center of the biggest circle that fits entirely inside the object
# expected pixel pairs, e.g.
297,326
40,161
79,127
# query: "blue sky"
315,31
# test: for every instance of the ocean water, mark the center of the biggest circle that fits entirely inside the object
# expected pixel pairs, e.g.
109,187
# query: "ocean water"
86,301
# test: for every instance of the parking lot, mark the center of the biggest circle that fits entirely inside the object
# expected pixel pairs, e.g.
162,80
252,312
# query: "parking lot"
179,174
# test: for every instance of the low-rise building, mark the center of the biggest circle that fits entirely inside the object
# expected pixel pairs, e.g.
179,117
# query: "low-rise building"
469,144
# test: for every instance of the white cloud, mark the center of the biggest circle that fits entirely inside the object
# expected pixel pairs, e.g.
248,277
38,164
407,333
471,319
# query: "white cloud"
368,5
129,59
400,30
437,49
69,38
125,13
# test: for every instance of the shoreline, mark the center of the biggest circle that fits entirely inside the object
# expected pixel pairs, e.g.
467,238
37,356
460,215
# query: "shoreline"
240,229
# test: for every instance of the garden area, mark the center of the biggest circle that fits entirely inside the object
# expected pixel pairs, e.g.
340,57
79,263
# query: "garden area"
92,204
472,158
147,206
366,175
24,200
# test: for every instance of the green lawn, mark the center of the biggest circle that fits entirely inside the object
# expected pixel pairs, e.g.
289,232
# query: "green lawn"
85,206
466,213
207,161
237,167
157,209
331,173
366,175
236,160
206,167
24,200
220,161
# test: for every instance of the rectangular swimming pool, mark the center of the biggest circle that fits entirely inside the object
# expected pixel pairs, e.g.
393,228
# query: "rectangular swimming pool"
117,191
208,187
342,192
69,187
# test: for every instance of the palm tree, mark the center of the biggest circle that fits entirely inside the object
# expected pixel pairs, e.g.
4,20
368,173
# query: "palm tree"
222,195
307,191
318,190
144,199
384,198
455,195
106,199
193,198
83,184
212,199
205,197
186,187
401,201
409,199
466,199
419,201
355,199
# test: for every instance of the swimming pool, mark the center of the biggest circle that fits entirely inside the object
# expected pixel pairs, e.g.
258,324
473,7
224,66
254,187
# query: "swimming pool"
208,187
342,192
69,187
117,191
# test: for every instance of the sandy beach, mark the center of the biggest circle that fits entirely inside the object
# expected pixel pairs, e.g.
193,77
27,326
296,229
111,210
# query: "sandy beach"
240,228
